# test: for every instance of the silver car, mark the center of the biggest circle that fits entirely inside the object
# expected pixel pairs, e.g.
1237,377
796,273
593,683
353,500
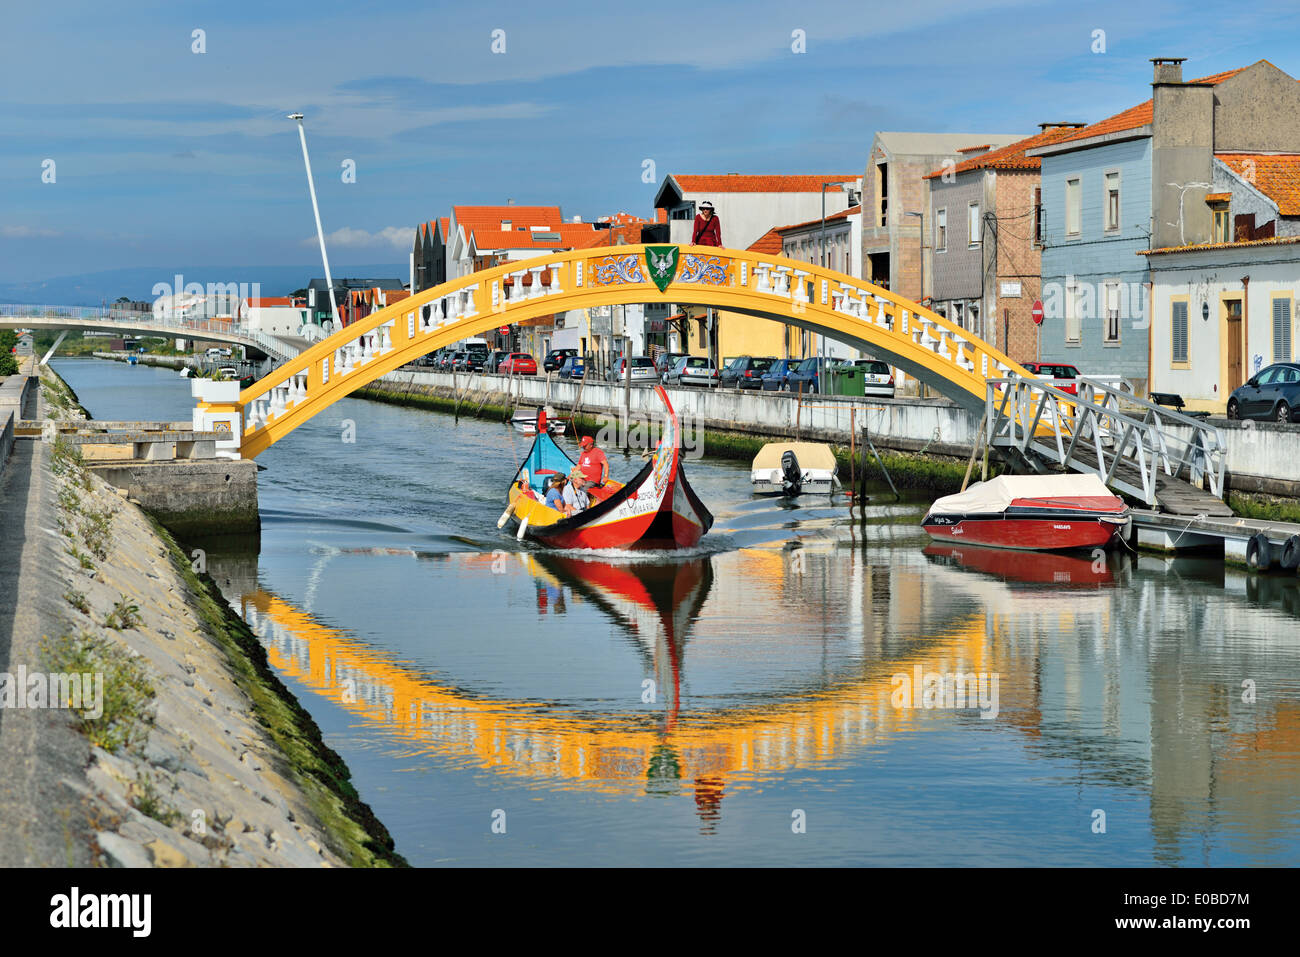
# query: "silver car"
643,371
693,370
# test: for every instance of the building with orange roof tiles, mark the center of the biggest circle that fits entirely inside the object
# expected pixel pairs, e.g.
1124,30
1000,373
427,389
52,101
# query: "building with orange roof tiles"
1138,181
982,238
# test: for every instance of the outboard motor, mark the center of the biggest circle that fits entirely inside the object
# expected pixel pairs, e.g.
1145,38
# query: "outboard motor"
791,474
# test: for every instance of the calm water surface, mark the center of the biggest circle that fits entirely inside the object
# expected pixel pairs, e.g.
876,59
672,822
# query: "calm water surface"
614,709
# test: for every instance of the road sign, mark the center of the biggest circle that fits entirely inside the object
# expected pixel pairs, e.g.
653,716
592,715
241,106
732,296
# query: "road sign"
504,330
1037,312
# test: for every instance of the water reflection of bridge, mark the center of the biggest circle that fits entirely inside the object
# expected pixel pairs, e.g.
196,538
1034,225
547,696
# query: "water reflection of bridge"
1116,672
611,750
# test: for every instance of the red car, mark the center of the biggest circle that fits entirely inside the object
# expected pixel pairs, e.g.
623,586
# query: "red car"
518,363
1055,370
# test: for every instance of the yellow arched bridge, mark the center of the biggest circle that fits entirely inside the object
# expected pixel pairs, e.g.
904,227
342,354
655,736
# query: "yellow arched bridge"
904,334
1133,444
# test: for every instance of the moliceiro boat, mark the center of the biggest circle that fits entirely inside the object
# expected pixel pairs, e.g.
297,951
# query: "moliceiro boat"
657,508
1040,512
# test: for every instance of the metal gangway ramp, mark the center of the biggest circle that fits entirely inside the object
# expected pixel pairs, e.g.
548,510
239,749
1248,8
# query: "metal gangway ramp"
1170,461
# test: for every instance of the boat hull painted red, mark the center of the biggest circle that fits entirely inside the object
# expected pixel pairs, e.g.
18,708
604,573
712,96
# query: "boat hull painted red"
1036,534
657,509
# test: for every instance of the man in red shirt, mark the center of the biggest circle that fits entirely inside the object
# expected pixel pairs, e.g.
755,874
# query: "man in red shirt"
593,463
708,230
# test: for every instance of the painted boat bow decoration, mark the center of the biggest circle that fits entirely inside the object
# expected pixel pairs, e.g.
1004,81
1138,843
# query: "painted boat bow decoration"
657,508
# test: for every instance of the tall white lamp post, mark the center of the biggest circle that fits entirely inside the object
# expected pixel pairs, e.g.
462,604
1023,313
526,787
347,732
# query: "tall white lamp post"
320,233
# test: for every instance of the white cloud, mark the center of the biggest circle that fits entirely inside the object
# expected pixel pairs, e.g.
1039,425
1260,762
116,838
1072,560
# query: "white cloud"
399,237
37,232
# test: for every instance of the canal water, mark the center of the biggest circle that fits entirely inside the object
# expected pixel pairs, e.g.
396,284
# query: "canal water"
747,703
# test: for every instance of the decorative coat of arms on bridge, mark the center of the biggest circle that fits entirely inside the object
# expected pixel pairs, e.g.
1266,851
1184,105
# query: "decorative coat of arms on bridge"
662,261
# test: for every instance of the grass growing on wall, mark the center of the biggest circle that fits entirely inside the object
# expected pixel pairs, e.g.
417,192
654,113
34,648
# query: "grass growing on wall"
1268,508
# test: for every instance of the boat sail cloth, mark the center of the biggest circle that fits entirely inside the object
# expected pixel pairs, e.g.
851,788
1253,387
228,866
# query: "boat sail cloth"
997,494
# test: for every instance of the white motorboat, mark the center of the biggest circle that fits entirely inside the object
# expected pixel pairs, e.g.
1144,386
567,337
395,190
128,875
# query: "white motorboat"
794,468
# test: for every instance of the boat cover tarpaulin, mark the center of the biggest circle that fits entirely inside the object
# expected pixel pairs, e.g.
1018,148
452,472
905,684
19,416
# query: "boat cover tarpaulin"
997,494
811,455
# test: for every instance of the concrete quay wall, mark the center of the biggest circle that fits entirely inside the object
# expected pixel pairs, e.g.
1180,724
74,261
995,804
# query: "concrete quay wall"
1260,457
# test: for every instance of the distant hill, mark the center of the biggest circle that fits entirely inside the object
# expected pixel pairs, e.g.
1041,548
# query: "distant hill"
90,289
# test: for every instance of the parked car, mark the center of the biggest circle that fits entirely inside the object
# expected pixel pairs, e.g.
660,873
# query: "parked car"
493,362
518,363
664,362
805,378
573,368
459,361
693,370
1272,393
745,372
1055,370
643,371
774,378
877,378
555,359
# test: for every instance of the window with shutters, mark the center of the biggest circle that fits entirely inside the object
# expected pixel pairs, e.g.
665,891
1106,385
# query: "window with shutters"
973,232
1282,328
1112,201
1178,331
1111,313
1071,310
1073,206
941,230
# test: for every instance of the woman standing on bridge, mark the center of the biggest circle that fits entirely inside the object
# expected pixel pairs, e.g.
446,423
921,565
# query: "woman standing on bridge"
708,230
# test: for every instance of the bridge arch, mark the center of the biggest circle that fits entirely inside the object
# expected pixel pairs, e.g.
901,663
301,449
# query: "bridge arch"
903,333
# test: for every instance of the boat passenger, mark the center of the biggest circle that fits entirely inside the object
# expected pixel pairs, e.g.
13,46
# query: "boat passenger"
574,496
594,465
555,495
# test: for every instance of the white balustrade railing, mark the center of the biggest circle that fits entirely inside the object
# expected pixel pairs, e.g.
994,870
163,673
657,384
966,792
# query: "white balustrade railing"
1130,447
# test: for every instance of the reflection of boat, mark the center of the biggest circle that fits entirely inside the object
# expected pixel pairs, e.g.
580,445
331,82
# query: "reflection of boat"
656,509
1040,512
793,468
672,592
1012,564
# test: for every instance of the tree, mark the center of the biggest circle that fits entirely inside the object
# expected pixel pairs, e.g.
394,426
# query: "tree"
8,339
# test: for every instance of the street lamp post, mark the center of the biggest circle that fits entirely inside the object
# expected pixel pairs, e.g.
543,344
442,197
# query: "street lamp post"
920,248
320,233
821,339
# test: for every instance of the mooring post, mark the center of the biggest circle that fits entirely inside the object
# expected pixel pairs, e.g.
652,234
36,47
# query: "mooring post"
974,451
853,481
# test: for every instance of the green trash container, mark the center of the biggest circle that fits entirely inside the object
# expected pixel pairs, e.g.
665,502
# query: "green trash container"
848,381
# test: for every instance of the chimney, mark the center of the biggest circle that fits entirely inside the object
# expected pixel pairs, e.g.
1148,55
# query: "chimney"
510,202
1168,69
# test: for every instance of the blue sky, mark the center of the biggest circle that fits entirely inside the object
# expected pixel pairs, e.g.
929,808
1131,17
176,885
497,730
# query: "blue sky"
166,157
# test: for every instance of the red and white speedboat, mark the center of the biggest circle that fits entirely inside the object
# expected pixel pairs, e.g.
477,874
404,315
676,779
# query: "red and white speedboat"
657,508
1040,512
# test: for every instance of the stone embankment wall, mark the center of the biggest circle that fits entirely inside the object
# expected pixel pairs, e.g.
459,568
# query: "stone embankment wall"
200,756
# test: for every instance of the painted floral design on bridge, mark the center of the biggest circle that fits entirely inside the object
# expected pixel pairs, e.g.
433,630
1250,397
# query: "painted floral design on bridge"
615,270
707,270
